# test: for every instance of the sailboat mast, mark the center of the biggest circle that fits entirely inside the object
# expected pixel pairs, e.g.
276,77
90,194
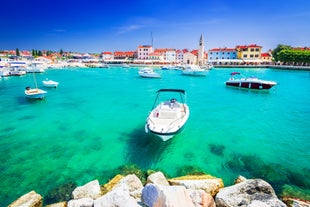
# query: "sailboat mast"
35,81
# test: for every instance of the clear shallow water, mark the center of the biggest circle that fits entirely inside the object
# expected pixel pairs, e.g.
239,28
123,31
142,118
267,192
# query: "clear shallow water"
93,123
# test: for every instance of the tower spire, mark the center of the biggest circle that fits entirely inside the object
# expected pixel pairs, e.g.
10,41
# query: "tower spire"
201,51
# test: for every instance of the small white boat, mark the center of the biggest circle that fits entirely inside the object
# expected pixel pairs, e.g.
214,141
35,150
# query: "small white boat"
168,117
50,83
34,93
194,70
148,73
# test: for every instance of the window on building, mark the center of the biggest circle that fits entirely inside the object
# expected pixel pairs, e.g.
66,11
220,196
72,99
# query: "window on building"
256,56
257,49
245,55
251,56
252,49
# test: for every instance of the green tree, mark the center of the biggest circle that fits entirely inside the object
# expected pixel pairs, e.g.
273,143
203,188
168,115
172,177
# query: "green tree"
295,57
39,53
17,52
61,52
278,49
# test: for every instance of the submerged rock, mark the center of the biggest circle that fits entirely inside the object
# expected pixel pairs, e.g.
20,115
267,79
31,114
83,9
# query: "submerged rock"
251,192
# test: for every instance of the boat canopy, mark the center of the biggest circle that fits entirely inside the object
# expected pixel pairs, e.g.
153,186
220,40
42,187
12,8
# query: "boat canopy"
171,90
235,73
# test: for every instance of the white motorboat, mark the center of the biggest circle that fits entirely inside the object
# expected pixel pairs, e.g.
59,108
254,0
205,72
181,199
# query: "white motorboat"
148,73
50,83
168,115
194,70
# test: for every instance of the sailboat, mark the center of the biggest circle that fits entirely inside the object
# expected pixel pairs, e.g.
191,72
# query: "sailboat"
34,93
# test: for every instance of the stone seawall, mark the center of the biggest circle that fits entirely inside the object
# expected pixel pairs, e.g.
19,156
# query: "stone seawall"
186,191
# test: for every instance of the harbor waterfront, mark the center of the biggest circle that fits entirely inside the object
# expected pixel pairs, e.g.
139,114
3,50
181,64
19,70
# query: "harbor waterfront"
93,124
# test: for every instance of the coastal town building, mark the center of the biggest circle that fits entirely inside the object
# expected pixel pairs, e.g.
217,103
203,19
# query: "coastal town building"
107,56
144,51
266,57
223,56
119,55
170,55
156,56
250,54
190,57
180,55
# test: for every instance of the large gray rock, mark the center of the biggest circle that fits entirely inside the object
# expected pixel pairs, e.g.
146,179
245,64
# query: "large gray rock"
251,192
166,196
85,202
89,190
157,178
116,197
131,184
31,199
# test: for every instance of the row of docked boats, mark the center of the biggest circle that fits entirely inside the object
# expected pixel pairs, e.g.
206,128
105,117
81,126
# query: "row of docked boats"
19,68
190,70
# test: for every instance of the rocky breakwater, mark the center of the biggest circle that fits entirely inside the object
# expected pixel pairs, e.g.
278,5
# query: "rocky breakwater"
187,191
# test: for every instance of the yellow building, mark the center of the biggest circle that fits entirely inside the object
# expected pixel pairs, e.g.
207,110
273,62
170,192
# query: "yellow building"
249,52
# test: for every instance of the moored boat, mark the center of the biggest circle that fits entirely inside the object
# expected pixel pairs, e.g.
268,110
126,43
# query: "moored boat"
168,116
194,70
34,93
239,81
50,83
147,72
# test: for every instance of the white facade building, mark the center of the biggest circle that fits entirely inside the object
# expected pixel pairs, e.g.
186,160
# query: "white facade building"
144,51
189,58
170,55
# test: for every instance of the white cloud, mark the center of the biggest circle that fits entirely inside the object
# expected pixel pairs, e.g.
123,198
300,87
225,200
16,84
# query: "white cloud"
129,28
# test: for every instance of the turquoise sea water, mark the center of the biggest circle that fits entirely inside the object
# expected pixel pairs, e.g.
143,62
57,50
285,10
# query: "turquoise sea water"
93,123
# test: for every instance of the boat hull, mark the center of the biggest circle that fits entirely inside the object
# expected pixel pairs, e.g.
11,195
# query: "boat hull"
149,75
195,73
164,136
250,85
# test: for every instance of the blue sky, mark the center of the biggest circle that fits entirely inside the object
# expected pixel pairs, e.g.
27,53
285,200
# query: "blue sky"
98,25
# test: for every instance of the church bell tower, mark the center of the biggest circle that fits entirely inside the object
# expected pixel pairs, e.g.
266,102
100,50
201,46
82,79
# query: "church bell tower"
201,51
